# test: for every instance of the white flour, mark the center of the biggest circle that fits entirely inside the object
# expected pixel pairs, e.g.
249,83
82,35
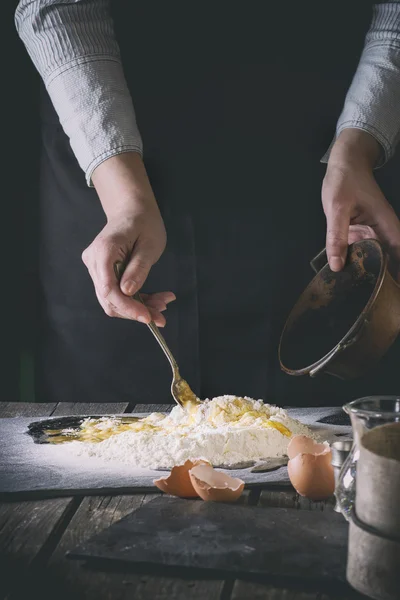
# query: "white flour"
226,431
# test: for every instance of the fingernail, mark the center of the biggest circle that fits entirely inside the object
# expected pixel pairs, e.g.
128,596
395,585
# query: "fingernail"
336,263
129,288
143,320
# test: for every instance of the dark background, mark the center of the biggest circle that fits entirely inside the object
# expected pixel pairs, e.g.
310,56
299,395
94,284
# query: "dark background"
19,316
19,218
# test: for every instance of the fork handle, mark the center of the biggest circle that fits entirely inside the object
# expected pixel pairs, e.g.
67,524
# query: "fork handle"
119,268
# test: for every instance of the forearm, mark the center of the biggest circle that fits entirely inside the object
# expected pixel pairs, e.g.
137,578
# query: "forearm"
74,49
123,186
373,101
355,148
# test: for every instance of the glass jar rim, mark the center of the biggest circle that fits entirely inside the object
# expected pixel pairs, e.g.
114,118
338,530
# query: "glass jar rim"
356,407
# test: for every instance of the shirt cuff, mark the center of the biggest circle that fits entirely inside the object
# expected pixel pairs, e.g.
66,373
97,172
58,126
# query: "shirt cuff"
95,108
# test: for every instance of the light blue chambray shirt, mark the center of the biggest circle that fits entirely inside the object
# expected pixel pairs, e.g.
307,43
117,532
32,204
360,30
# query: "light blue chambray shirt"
73,46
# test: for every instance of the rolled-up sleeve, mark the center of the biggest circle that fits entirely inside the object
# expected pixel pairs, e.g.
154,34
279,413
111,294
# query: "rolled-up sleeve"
373,100
73,46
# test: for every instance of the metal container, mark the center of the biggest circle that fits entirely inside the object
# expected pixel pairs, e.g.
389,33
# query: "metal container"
344,322
373,566
378,480
373,563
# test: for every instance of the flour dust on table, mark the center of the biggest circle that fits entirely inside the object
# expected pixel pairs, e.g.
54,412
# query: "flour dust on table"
227,431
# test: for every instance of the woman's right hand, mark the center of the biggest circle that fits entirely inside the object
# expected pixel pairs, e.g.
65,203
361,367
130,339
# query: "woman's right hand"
134,234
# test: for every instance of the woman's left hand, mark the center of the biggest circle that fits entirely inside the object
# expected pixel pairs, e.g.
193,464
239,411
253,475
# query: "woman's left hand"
354,205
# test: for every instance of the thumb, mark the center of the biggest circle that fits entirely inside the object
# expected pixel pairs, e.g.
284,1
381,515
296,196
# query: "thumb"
337,234
137,269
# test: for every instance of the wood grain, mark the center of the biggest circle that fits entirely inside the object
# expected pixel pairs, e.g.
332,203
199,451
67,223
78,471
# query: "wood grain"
243,590
40,523
63,578
26,409
35,535
94,515
26,528
89,408
284,498
290,499
153,408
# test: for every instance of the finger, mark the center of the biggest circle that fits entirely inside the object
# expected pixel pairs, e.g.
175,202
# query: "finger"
127,307
107,307
360,232
142,259
337,233
156,301
165,297
156,304
157,317
385,221
109,292
388,231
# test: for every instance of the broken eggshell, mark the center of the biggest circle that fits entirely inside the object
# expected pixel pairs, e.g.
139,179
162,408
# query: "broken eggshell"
215,486
310,469
178,482
301,444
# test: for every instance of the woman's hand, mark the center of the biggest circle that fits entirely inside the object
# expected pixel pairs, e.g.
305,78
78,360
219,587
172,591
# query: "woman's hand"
134,234
354,206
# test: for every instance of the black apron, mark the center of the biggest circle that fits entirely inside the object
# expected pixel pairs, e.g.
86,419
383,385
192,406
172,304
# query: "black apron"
236,109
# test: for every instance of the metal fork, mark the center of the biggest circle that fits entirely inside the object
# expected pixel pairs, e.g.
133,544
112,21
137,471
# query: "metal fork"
180,389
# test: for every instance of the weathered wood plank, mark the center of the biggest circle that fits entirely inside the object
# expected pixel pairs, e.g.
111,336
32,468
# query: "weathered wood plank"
243,590
42,522
72,581
26,528
89,408
153,408
290,499
161,588
26,409
67,579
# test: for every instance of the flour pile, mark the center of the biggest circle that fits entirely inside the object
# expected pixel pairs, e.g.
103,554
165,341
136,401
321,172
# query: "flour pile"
226,431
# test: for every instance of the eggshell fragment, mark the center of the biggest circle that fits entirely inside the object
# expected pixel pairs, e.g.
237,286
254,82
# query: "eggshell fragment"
301,444
215,486
178,482
310,469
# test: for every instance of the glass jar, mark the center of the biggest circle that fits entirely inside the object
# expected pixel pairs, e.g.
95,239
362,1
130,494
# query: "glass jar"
365,414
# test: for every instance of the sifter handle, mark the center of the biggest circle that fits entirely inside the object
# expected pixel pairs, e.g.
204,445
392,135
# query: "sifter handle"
319,261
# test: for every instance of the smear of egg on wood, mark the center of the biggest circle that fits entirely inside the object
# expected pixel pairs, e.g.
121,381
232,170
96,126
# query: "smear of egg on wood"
310,469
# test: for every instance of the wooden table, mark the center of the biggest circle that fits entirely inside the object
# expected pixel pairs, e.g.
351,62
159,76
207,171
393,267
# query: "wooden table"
35,535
